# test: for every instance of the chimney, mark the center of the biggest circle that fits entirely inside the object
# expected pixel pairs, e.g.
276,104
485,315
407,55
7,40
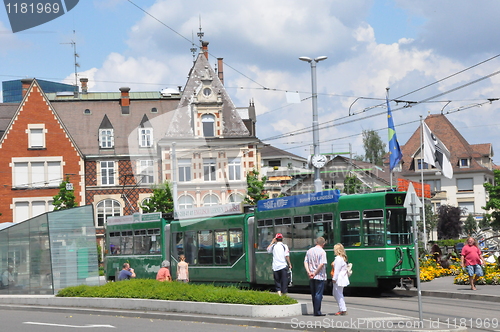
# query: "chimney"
125,100
84,82
204,48
26,82
220,71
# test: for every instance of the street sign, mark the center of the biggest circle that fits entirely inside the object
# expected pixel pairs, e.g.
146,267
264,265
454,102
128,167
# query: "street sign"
408,200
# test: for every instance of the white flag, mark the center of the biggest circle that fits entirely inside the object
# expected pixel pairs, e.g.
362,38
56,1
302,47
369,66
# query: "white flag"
436,153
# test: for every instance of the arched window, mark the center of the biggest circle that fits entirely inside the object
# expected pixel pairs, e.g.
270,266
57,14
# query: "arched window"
235,198
144,201
210,200
185,202
208,121
107,208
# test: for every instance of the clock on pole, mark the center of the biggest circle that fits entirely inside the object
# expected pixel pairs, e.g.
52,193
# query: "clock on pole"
318,160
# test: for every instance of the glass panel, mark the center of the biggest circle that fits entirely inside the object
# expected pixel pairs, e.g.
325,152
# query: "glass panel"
221,248
127,243
302,232
178,245
264,237
350,228
206,248
373,226
191,251
236,244
398,228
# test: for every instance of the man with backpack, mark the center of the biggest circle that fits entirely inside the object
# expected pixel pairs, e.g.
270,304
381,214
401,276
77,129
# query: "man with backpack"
281,263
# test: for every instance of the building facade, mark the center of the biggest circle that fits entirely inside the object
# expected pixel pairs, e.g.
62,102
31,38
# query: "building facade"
472,167
115,146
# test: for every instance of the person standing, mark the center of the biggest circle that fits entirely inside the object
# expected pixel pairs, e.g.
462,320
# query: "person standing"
126,273
315,264
340,278
471,259
8,278
281,263
164,272
182,269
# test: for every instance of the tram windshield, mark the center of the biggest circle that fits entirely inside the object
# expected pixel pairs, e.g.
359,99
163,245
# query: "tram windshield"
398,228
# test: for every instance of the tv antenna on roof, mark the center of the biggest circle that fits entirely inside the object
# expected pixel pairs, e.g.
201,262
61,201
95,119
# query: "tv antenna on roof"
73,43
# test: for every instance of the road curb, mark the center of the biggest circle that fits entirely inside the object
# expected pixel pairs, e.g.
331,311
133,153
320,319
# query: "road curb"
449,295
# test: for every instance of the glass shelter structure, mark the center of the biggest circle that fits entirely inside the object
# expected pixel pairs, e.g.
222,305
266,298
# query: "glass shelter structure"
47,253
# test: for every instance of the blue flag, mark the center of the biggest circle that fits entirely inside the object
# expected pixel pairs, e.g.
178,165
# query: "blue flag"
395,154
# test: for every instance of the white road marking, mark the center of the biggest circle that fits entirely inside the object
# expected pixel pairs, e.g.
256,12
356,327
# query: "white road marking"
75,326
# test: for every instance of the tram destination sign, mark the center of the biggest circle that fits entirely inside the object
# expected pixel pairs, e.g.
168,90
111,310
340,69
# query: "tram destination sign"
209,211
323,197
134,218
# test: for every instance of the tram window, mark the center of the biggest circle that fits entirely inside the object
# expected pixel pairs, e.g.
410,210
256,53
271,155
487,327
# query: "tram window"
350,228
287,221
205,248
127,243
286,230
302,232
398,228
191,247
278,221
373,227
235,244
323,227
155,241
114,243
177,244
142,242
221,248
264,237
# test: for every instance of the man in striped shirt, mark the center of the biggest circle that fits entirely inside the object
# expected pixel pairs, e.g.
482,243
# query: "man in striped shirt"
315,264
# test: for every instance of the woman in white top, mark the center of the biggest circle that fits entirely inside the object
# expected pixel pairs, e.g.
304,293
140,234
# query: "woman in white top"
340,278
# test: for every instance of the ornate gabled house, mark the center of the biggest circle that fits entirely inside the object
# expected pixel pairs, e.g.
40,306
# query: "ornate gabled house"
472,167
208,148
37,152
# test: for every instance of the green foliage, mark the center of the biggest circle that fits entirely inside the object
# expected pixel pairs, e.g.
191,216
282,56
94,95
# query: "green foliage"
255,188
449,242
493,203
449,224
470,225
352,185
176,291
374,147
65,199
161,200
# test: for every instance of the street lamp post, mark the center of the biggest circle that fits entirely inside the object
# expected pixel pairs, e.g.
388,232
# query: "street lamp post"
317,178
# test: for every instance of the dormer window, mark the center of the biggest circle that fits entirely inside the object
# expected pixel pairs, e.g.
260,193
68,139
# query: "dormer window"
464,163
146,137
106,139
207,92
208,121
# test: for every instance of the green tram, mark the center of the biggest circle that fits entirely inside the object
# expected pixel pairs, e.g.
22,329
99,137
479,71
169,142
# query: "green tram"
137,239
231,246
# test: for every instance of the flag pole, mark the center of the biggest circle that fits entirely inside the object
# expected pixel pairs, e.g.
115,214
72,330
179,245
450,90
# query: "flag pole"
422,178
390,170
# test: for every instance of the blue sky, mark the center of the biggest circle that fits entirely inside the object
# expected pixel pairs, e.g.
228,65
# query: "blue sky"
371,45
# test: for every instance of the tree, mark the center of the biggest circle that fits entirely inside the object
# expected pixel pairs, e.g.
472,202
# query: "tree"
449,224
352,185
470,225
374,147
160,201
255,188
65,199
493,203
